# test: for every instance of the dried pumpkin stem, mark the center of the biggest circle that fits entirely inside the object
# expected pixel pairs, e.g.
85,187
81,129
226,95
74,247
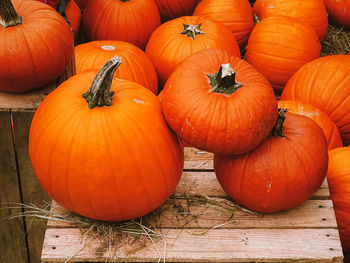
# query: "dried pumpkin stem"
224,81
99,94
277,130
192,30
8,14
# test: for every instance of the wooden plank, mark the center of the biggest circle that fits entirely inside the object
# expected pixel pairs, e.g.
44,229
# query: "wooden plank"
32,191
179,213
224,245
12,231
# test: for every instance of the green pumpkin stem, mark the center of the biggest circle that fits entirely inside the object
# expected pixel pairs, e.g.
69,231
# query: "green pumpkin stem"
99,93
192,30
8,14
224,81
277,130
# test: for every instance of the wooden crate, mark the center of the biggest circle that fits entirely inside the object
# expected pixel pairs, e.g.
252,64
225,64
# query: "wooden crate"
20,239
307,233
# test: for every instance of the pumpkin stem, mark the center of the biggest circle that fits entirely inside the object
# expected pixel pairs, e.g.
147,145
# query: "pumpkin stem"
277,130
192,30
99,93
8,14
224,81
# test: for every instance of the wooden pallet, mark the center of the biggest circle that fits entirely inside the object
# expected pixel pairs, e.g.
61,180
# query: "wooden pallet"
20,239
307,233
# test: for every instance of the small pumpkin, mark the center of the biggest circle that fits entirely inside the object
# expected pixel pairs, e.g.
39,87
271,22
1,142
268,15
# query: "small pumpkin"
219,103
236,15
279,46
36,44
284,171
339,12
312,12
325,84
110,156
126,20
171,9
338,178
328,126
177,39
136,65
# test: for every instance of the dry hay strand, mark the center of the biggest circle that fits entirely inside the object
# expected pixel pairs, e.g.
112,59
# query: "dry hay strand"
120,240
336,42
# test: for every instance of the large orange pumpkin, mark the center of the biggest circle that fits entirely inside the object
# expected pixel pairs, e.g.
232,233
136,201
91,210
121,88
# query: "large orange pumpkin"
312,12
339,12
111,157
325,84
127,20
338,178
237,15
328,126
282,172
36,44
171,9
219,103
279,46
136,65
177,39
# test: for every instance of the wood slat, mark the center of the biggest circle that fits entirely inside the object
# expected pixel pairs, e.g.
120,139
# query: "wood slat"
13,247
32,191
175,213
224,245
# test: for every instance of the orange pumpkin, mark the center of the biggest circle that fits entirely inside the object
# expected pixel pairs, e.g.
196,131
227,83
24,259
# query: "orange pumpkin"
339,12
111,157
338,178
136,65
219,103
236,15
325,84
36,44
282,172
73,14
328,126
313,12
177,39
171,9
279,46
127,20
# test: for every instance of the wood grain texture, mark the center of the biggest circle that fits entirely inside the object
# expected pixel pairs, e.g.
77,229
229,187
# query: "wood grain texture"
12,232
175,213
220,245
32,191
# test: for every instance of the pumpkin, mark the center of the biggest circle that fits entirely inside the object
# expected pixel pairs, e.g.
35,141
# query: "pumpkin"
312,12
279,46
284,171
36,44
69,10
339,12
108,157
171,9
127,20
136,65
325,84
338,178
328,126
217,102
177,39
236,15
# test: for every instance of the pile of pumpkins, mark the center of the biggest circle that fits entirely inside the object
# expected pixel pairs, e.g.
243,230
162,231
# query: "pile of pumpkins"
105,146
